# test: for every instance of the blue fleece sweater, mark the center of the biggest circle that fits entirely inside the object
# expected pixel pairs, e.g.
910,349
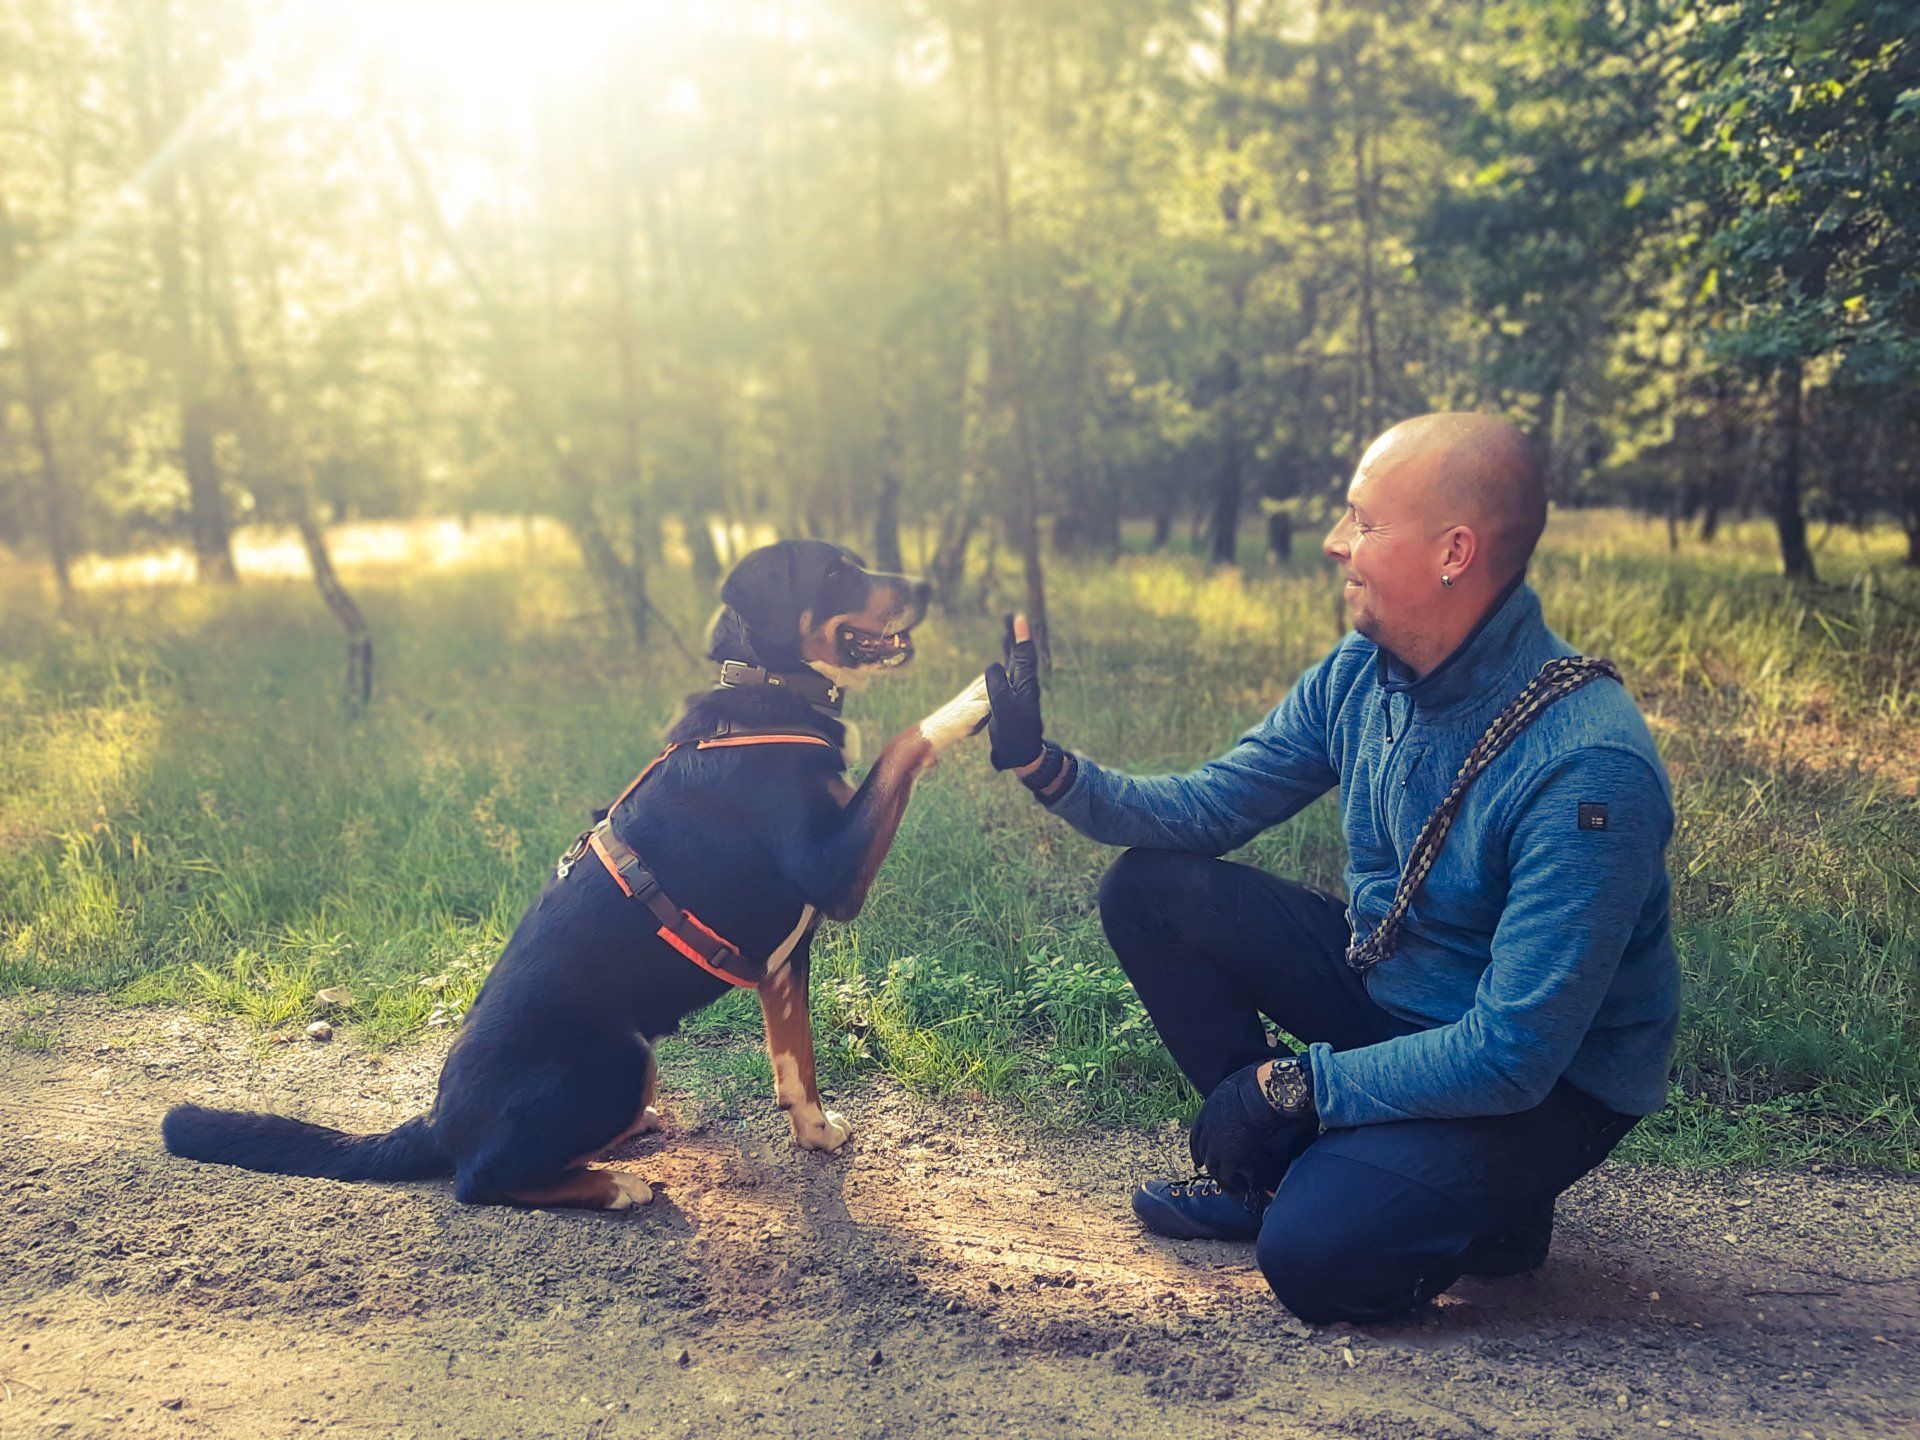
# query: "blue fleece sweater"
1539,946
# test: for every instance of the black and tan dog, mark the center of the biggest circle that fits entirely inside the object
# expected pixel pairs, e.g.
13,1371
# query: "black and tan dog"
711,870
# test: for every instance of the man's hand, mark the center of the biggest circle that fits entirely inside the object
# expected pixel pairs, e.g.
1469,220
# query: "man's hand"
1014,692
1239,1128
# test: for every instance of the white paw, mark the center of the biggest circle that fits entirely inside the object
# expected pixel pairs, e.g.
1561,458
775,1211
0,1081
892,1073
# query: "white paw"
651,1122
958,718
633,1191
823,1131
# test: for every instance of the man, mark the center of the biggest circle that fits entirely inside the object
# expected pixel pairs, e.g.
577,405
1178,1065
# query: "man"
1525,1015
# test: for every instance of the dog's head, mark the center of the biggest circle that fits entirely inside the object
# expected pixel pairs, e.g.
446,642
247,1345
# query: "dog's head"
808,603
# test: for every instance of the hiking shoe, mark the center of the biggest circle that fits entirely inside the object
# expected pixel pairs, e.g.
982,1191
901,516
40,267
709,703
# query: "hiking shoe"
1511,1252
1198,1209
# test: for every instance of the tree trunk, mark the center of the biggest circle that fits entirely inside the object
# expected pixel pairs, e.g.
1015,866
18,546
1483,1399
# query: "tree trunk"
623,585
162,125
53,497
624,582
948,567
1103,530
886,259
274,451
990,569
53,487
886,526
1310,264
1366,199
1796,559
1162,528
706,555
1229,480
1280,537
359,638
625,343
1319,131
1025,467
1229,485
1723,470
206,504
1091,520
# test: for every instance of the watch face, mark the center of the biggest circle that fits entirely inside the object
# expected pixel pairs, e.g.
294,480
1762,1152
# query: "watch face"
1287,1088
1293,1084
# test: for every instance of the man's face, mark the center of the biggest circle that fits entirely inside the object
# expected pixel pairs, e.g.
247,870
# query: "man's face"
1385,549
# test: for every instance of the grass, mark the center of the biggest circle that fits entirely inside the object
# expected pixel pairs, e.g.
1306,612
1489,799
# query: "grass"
187,819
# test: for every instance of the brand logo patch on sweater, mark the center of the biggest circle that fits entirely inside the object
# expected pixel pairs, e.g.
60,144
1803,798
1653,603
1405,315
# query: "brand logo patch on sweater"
1593,816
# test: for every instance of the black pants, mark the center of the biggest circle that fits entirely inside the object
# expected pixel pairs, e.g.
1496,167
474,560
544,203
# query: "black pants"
1370,1221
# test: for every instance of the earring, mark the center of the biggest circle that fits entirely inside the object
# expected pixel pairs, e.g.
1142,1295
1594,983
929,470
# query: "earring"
1447,580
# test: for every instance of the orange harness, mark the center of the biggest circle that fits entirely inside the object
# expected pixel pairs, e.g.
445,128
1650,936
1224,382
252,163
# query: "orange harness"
681,929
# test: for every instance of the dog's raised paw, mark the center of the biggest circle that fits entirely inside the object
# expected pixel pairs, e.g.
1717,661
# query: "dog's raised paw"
958,718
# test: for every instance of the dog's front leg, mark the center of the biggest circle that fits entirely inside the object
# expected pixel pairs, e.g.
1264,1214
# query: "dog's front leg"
839,869
783,1006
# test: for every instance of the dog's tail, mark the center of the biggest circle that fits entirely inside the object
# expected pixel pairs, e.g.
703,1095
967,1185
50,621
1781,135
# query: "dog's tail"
281,1146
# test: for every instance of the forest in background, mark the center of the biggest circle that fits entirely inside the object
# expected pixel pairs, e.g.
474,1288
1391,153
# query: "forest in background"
1007,273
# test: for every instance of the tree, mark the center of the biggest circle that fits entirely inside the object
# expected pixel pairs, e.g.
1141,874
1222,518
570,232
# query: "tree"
1806,131
157,68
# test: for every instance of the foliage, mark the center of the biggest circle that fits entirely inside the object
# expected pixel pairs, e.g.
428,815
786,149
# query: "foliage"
1806,149
864,266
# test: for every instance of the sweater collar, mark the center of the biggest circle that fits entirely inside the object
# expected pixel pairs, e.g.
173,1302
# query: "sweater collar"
1477,662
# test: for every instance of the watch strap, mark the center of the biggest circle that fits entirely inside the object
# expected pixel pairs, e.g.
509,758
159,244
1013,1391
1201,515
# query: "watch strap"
1052,761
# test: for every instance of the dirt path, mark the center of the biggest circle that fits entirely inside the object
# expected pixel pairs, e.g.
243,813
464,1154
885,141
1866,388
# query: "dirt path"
949,1276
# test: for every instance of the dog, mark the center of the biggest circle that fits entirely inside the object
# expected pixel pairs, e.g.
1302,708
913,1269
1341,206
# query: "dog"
711,871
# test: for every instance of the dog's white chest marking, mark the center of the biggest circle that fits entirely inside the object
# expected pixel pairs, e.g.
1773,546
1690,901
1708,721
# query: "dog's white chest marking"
958,718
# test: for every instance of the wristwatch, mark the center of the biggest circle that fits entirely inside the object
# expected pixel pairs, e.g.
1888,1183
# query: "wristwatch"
1052,761
1288,1088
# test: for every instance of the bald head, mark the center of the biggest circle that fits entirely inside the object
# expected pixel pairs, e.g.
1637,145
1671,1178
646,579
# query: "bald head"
1443,513
1459,468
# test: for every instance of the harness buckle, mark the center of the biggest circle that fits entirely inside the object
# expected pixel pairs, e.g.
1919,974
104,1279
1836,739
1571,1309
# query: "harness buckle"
642,884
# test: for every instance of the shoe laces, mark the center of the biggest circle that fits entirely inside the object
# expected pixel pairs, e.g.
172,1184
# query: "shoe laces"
1202,1186
1199,1185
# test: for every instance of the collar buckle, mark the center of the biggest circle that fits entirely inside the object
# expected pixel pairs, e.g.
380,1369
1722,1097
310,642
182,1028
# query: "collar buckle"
811,686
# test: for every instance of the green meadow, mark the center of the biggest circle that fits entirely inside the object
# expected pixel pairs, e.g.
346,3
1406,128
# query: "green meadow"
189,818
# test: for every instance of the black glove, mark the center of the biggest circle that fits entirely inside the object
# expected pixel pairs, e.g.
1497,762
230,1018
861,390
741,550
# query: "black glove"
1013,690
1241,1140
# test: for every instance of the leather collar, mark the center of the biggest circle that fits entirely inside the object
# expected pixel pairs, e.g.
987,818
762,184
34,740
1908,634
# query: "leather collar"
810,685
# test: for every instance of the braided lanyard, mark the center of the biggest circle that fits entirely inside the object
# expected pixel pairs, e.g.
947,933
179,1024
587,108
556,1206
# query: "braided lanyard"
1557,678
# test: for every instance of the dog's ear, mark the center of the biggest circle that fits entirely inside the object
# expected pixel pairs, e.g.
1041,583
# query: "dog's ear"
727,638
763,591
